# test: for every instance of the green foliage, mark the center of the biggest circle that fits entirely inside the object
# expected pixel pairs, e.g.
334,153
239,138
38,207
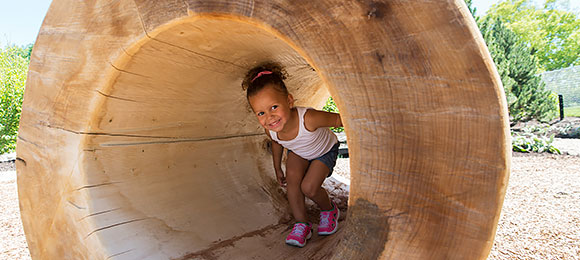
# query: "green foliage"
552,33
536,138
330,106
472,9
13,69
568,131
526,95
527,143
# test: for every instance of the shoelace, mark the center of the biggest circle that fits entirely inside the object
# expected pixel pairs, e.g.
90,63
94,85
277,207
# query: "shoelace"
299,230
325,219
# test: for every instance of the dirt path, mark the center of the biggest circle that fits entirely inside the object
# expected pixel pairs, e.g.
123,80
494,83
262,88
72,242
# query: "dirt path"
540,218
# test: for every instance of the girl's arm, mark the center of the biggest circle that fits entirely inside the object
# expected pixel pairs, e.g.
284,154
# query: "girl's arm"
277,151
314,119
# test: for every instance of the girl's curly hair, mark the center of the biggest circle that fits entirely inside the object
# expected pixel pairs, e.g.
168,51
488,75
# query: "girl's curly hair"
262,75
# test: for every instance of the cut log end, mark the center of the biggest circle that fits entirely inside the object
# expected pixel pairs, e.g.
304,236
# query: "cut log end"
137,141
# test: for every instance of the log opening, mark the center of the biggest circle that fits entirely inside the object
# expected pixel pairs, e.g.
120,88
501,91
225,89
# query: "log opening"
184,153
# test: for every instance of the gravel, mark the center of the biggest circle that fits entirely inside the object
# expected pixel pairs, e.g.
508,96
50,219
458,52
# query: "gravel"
540,218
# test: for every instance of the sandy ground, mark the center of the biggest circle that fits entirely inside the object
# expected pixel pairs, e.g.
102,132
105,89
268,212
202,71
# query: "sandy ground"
540,218
12,241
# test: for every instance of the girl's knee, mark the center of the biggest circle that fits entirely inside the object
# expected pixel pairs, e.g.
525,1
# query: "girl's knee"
309,190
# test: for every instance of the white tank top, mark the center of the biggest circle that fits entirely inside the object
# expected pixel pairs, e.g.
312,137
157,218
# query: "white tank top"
308,145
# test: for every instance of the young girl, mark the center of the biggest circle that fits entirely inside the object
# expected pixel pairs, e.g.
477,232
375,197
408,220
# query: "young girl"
312,148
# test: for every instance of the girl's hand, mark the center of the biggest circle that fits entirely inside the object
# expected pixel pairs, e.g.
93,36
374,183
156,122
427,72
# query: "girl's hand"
281,178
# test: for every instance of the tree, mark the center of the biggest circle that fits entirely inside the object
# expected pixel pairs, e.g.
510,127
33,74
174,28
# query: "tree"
551,32
472,9
526,94
13,69
330,106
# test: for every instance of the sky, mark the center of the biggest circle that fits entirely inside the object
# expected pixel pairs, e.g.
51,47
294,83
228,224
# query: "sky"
20,20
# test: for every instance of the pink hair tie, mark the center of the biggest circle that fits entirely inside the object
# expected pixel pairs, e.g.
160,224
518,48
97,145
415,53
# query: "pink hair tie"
261,74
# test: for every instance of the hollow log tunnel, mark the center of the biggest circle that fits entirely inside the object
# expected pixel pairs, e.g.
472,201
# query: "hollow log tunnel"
137,142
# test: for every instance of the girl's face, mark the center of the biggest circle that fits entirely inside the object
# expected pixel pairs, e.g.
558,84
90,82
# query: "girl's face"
272,108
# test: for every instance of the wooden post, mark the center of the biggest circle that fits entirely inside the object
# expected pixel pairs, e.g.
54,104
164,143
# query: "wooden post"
561,104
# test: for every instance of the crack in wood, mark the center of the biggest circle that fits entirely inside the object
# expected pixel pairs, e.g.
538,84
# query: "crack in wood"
118,254
21,160
99,213
96,185
27,141
114,225
75,205
180,140
172,139
128,72
113,97
107,134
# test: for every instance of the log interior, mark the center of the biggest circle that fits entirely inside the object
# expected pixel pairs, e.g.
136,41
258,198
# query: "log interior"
180,161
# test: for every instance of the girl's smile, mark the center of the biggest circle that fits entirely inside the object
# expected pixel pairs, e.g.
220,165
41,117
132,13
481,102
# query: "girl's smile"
274,124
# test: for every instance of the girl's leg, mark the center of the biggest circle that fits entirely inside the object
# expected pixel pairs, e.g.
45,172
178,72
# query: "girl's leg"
296,167
311,185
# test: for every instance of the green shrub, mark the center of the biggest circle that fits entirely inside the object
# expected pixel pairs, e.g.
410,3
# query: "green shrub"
13,69
527,97
330,106
528,142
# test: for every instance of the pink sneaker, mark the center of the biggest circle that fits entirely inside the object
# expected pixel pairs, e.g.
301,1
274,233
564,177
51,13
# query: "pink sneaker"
329,221
299,235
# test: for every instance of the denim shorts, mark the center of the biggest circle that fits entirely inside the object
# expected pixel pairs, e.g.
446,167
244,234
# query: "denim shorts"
329,158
